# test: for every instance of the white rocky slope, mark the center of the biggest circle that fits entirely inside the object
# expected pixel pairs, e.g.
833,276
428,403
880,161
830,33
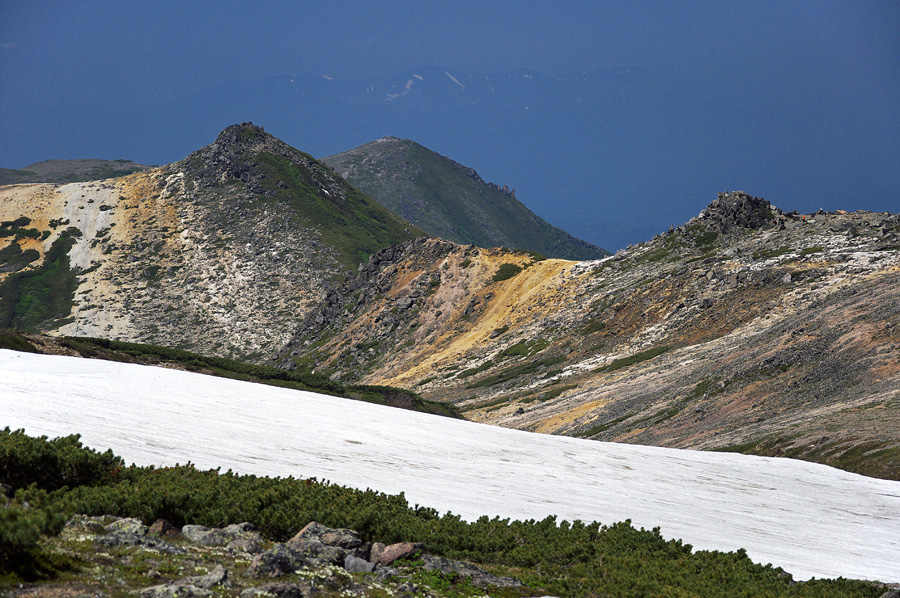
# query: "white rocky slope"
810,519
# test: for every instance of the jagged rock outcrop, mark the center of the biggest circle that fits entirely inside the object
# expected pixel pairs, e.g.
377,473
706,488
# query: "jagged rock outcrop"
738,211
748,328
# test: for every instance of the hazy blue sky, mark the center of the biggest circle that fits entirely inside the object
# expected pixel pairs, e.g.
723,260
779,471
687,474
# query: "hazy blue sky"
96,48
130,61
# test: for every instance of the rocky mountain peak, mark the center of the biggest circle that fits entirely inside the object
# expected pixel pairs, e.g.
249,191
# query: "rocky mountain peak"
737,210
233,157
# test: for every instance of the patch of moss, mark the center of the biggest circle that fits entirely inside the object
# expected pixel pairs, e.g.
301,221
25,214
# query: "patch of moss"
636,358
42,297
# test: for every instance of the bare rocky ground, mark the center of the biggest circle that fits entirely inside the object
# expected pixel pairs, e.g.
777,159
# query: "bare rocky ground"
746,329
122,557
195,254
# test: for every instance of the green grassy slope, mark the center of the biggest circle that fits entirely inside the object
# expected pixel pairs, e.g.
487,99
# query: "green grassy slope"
451,201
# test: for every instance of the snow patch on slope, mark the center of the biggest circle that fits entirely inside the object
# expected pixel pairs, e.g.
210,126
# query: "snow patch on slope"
810,519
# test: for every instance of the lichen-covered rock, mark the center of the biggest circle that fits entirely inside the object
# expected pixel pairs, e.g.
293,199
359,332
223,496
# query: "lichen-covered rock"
206,536
341,538
275,562
357,565
476,575
128,525
130,539
164,529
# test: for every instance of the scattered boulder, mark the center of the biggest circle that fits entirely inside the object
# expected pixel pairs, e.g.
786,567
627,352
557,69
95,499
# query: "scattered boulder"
129,539
132,532
341,538
188,587
164,529
249,544
128,525
275,562
218,576
357,565
206,536
402,550
476,575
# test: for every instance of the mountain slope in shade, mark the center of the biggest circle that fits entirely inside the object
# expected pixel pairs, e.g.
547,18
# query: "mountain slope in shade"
809,519
221,253
450,201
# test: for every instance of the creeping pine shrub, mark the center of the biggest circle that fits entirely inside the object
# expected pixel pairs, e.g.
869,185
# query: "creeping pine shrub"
506,271
576,559
21,530
52,464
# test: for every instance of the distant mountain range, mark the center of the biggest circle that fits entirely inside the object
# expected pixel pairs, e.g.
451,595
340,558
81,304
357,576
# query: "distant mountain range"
70,171
450,201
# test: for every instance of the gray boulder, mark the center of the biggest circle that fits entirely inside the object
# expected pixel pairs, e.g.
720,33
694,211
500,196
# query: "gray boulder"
357,565
189,587
275,562
129,539
128,525
206,536
476,575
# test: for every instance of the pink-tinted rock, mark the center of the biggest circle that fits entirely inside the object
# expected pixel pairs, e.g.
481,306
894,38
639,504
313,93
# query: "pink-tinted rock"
403,550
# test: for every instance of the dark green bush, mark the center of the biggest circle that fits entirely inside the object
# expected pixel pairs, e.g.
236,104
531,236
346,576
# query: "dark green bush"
9,339
506,271
21,531
52,464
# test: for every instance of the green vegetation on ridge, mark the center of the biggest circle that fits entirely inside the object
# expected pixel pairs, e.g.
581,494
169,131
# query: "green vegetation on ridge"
561,558
356,225
113,350
450,201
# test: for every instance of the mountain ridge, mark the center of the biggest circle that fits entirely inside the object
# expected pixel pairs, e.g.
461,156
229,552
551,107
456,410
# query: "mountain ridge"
451,201
748,328
70,171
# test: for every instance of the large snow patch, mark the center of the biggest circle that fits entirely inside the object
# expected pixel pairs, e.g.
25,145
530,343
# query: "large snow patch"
809,519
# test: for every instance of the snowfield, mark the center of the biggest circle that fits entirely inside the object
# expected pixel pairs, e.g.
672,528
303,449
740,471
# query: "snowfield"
812,520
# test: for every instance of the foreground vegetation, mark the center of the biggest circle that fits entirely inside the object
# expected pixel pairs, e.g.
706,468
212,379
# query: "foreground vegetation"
52,479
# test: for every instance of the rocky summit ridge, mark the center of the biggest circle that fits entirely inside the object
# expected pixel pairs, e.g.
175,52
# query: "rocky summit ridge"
221,253
748,328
